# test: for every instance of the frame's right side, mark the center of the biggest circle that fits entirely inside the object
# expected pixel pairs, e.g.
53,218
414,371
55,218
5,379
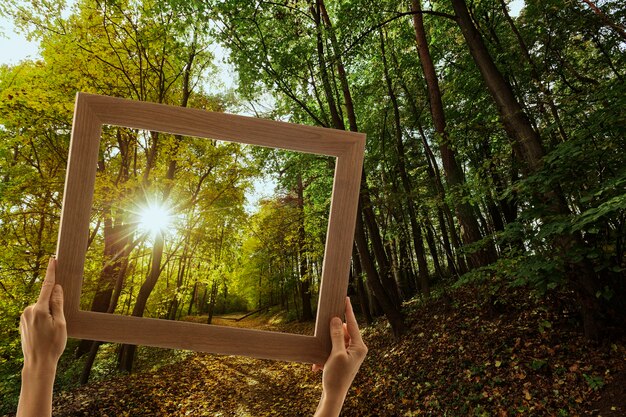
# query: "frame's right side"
340,237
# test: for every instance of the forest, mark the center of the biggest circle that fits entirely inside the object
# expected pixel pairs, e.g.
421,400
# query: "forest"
493,191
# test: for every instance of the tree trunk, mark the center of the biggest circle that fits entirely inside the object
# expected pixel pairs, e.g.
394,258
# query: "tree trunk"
454,175
95,345
393,314
185,259
385,274
86,372
128,351
360,288
535,72
194,293
173,308
330,98
514,120
445,214
433,173
432,247
116,238
212,300
305,276
418,242
408,283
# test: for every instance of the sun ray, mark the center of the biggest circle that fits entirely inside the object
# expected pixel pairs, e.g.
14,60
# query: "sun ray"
154,219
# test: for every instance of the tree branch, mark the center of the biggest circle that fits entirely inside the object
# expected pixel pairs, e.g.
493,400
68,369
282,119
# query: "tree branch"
391,19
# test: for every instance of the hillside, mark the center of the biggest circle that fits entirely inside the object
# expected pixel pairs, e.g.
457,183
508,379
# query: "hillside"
505,355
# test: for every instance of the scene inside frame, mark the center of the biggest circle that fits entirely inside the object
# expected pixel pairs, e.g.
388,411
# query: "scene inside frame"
206,231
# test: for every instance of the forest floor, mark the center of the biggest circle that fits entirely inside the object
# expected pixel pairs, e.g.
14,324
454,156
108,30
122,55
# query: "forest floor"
469,352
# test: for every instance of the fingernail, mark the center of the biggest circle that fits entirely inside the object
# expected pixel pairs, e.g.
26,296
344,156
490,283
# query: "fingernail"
336,321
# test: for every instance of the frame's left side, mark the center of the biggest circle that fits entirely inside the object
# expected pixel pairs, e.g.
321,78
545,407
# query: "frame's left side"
77,201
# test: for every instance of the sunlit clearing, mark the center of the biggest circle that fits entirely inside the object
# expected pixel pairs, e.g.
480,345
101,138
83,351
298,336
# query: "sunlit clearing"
154,219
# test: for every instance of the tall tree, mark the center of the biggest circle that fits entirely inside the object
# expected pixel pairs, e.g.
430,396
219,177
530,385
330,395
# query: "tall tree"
454,175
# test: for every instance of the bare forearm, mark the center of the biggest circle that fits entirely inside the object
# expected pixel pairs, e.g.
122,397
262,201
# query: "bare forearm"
330,405
36,394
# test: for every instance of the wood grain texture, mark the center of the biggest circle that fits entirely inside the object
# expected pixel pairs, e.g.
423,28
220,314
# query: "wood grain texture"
80,178
339,241
229,127
197,337
91,112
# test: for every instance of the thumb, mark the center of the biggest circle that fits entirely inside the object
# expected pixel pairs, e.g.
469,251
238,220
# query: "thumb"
336,334
56,303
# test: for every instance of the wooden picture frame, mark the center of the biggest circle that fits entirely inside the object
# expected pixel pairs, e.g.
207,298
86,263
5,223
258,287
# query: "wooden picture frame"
91,112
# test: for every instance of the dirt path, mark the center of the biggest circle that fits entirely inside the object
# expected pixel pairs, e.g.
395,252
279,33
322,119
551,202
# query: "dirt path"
205,385
201,385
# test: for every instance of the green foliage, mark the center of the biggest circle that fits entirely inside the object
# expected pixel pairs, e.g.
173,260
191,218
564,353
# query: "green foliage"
544,325
594,382
538,364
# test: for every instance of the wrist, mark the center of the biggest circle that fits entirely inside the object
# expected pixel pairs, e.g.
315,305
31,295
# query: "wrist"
40,369
334,396
37,386
330,404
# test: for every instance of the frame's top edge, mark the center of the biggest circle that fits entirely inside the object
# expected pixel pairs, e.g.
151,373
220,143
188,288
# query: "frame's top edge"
98,98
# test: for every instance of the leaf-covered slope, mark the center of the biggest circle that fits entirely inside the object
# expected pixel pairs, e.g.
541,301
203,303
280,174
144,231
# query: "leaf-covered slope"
506,355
